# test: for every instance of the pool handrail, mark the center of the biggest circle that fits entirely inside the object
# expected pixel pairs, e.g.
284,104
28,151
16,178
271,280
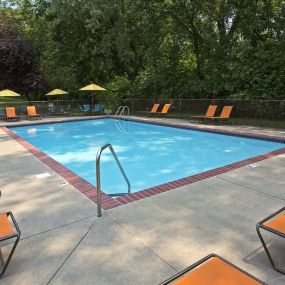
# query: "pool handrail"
98,178
121,111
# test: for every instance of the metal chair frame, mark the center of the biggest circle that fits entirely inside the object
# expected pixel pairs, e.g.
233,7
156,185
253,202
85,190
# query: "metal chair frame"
264,227
16,235
198,263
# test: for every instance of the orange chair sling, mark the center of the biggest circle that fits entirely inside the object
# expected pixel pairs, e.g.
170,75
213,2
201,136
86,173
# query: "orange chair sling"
10,112
278,224
165,109
154,108
215,272
5,226
226,112
32,111
210,112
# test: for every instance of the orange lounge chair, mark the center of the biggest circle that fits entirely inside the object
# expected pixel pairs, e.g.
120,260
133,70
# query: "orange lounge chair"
213,270
275,224
8,230
154,108
225,114
209,114
32,113
11,114
165,109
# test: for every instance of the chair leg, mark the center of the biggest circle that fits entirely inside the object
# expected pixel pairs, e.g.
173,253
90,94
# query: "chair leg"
267,250
1,258
10,256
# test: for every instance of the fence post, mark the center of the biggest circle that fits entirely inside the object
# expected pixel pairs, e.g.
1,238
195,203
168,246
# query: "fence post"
260,116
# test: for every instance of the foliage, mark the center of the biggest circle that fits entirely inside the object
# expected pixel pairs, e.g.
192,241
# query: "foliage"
18,61
117,90
158,48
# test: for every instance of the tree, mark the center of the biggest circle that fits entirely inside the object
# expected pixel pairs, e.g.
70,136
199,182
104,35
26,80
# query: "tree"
160,48
18,60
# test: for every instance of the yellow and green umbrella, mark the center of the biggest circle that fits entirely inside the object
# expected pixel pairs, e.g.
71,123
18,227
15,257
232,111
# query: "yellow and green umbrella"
92,87
56,92
8,93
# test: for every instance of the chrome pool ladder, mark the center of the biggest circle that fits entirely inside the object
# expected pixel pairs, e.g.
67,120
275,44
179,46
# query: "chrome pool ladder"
98,177
121,111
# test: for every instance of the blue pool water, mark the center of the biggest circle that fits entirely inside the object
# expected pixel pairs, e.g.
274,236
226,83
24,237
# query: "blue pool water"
150,154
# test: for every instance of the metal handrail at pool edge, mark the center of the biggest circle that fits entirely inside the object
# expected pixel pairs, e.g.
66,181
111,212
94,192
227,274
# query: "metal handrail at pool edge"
121,111
98,177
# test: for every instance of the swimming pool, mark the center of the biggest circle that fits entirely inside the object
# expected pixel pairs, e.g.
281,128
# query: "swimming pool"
150,154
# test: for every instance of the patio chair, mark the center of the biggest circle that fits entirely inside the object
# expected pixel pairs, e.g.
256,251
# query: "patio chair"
51,108
97,108
209,114
165,109
275,224
84,108
32,112
154,108
2,114
9,230
66,109
213,270
11,114
225,114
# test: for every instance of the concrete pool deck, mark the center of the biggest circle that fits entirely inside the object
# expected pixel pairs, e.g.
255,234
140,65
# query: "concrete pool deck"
145,242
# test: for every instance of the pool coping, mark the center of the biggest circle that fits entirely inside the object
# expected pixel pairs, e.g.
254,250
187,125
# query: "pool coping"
108,202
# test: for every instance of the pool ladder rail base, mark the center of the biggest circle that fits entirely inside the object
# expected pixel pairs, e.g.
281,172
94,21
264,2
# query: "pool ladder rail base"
98,177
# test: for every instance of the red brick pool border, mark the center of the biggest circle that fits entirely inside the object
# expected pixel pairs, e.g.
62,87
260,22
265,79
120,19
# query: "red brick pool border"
108,202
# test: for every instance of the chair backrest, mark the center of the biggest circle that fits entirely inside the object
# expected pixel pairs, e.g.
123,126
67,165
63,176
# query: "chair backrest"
226,112
154,108
10,112
215,271
97,107
6,228
86,107
2,112
50,106
66,108
31,110
165,108
211,111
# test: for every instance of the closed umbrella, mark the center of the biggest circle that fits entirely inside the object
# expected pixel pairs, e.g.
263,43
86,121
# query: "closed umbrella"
92,87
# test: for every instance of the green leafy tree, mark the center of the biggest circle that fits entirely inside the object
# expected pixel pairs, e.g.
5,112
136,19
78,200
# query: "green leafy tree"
18,60
162,48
